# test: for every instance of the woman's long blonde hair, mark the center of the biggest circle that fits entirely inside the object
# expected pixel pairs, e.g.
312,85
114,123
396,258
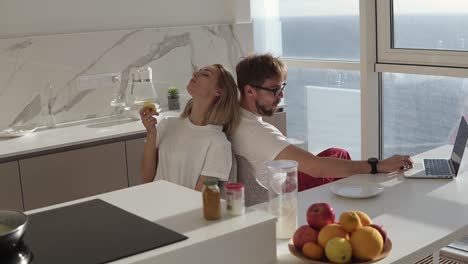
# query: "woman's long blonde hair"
225,110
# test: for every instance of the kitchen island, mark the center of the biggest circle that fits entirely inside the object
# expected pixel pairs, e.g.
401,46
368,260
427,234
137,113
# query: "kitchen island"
249,238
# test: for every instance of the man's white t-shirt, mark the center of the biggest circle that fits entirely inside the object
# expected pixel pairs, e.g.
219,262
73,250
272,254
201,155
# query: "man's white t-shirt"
256,142
187,151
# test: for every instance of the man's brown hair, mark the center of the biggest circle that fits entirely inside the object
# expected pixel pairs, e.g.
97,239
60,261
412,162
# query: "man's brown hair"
256,68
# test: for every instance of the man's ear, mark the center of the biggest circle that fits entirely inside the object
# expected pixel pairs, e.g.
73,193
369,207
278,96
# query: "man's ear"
249,90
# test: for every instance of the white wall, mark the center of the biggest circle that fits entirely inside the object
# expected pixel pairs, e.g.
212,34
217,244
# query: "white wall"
20,18
58,41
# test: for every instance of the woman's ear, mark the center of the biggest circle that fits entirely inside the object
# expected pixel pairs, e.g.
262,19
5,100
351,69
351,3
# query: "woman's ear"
219,92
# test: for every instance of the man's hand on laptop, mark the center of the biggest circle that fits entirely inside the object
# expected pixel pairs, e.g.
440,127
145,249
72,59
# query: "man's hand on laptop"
394,163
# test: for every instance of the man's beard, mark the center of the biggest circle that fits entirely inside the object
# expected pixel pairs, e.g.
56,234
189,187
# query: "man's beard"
263,111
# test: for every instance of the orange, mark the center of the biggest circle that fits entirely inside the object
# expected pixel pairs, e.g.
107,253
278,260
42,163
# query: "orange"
365,219
330,231
312,251
367,243
350,221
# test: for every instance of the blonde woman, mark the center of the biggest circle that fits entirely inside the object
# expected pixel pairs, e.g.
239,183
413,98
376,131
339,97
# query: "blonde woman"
188,149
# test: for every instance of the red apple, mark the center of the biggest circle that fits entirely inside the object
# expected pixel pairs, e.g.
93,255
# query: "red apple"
320,215
303,235
381,231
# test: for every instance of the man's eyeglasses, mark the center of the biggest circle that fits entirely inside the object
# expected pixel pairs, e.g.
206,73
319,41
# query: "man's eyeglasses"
276,91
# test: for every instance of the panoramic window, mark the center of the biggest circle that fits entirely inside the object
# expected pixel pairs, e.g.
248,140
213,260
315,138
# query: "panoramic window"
321,102
324,29
419,45
423,32
323,109
421,112
430,24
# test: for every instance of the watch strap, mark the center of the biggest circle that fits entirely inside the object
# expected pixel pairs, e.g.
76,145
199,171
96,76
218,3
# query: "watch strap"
373,162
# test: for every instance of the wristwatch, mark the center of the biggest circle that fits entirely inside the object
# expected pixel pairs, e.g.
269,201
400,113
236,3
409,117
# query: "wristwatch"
373,162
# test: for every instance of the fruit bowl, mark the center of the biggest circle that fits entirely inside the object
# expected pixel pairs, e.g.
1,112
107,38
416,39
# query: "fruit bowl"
298,254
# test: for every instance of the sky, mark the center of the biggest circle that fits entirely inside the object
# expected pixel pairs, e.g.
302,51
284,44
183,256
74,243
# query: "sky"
351,7
430,6
318,7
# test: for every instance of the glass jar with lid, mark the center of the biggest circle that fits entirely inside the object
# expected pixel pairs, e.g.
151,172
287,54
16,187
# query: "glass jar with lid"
235,198
211,199
282,196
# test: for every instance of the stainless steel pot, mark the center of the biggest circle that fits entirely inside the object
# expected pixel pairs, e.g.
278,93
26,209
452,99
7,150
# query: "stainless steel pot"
12,227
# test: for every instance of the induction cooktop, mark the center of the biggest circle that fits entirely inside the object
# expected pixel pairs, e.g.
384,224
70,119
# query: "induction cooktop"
92,232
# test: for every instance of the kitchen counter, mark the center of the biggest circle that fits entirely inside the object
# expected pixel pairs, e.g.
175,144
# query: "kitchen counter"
230,240
73,135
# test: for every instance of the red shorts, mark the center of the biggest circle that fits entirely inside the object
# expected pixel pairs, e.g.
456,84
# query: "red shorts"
307,181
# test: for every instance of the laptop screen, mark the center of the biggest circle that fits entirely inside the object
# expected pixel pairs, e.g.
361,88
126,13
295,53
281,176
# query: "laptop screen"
460,144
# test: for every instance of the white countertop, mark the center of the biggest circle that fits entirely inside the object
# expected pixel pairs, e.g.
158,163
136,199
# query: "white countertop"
70,134
420,215
180,209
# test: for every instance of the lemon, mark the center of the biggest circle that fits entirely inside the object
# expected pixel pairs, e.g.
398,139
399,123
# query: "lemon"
338,250
150,105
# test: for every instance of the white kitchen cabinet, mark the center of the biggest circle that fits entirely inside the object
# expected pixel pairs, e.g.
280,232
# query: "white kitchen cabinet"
134,148
10,187
69,175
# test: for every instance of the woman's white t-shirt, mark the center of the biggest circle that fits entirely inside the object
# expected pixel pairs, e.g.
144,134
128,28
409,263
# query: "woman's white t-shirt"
187,151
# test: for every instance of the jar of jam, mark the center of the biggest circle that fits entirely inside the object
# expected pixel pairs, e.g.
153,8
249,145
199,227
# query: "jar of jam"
211,200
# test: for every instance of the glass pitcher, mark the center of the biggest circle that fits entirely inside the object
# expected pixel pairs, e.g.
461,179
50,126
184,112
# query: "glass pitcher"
141,90
282,196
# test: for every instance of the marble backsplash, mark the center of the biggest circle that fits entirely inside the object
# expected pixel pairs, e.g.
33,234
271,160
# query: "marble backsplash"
29,65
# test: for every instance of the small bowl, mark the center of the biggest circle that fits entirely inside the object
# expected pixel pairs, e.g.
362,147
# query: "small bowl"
16,222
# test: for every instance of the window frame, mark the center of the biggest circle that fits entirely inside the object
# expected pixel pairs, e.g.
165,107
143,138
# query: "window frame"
322,64
388,54
423,70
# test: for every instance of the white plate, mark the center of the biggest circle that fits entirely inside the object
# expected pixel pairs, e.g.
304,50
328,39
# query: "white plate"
356,190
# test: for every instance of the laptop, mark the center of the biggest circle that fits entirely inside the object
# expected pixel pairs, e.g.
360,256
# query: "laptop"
442,168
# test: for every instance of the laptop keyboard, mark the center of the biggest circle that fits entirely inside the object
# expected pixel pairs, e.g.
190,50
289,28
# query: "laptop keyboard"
437,167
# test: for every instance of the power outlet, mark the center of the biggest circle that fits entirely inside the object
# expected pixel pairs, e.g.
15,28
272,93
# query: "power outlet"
98,81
